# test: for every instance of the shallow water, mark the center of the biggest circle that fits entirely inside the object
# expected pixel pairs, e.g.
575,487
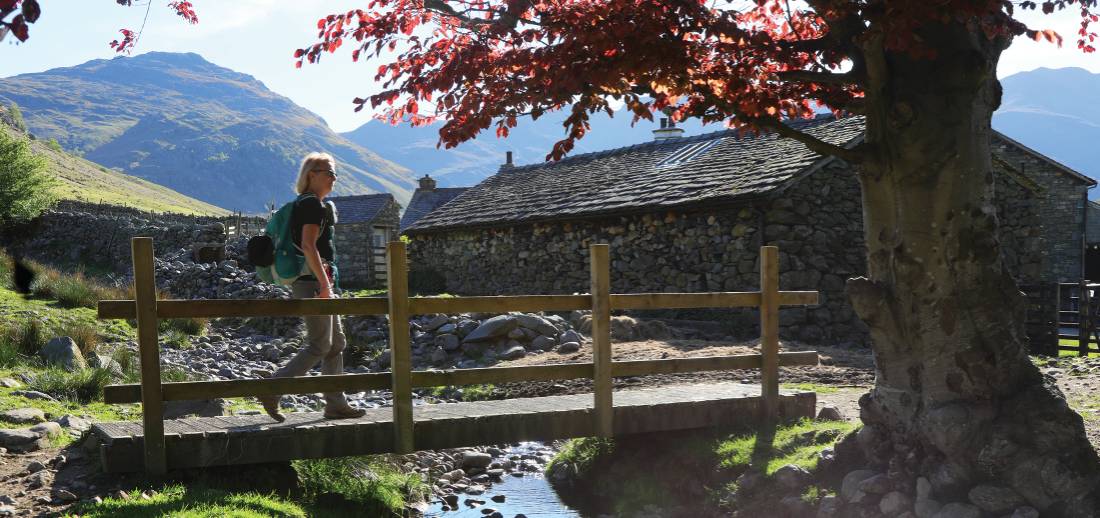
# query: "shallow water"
530,495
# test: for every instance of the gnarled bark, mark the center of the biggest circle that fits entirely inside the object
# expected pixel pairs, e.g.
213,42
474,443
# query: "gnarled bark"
955,391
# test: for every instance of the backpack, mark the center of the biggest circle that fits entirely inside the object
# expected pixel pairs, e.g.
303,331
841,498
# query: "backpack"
274,253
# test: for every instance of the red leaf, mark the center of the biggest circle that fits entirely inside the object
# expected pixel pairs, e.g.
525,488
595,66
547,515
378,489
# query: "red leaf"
31,10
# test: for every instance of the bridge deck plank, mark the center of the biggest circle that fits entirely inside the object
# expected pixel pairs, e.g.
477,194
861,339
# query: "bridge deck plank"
208,441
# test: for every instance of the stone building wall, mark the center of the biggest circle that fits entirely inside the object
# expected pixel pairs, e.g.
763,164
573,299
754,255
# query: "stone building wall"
817,224
1060,216
358,260
1092,229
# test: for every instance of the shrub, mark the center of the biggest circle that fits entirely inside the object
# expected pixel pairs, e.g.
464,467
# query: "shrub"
71,290
184,326
16,116
28,189
379,488
85,336
9,355
82,386
27,337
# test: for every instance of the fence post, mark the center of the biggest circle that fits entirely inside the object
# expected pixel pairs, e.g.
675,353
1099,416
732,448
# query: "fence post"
400,361
601,338
1083,318
769,330
152,401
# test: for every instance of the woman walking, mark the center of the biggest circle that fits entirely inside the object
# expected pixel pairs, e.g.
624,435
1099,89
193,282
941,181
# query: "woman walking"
312,226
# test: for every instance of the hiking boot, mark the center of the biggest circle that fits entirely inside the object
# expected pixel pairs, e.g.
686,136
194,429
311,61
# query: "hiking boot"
344,413
271,406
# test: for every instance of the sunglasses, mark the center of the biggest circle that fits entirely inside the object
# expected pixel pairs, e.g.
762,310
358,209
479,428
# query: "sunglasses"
329,172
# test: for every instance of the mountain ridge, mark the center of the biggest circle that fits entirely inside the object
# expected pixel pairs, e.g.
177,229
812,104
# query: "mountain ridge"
206,131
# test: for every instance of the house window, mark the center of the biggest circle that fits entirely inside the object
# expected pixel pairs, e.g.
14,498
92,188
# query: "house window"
379,238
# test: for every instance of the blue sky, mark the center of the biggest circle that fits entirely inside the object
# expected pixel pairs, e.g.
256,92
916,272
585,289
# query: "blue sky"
258,37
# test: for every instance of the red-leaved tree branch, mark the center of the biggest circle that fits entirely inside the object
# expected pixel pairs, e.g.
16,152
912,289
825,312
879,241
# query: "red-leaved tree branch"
479,63
27,12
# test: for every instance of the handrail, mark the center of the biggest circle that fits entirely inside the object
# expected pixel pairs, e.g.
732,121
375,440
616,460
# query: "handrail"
152,392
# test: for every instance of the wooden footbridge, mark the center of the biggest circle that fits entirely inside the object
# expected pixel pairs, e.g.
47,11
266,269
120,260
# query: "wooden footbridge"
157,445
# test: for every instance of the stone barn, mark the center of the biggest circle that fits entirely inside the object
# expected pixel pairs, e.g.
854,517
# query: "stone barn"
688,214
364,224
427,198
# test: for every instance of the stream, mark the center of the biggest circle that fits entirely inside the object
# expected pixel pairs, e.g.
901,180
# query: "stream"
530,495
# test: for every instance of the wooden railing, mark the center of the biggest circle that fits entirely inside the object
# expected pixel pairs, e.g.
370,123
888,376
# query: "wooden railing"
152,392
1078,308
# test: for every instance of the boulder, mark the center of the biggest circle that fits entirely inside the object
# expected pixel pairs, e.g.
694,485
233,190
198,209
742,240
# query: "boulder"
9,383
537,324
514,352
543,343
895,503
791,476
436,322
75,423
623,328
995,499
23,416
474,459
22,440
830,413
1026,512
653,330
492,328
569,347
107,363
62,351
571,336
448,342
850,485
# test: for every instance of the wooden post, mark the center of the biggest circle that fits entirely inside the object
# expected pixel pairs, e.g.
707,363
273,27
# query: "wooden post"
152,401
400,353
601,338
769,330
1083,319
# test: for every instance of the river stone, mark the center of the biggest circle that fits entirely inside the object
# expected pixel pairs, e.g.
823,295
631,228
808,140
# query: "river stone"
452,476
437,355
514,352
537,324
829,507
517,334
64,352
1026,512
23,416
492,328
448,342
569,347
475,459
894,503
790,476
995,499
850,485
958,510
22,440
465,327
876,485
830,413
926,507
571,336
436,322
499,498
75,423
543,343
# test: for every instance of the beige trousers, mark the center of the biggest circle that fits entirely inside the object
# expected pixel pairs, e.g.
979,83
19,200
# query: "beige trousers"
325,342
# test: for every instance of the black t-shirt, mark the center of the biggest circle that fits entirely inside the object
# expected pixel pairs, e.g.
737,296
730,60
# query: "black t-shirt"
309,211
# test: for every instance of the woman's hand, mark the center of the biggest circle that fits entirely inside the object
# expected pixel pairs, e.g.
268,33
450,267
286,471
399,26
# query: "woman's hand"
325,292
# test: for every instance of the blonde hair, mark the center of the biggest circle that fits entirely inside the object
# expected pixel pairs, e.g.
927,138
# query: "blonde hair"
310,162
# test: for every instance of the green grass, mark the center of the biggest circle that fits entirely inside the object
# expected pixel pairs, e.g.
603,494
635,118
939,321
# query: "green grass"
94,409
194,502
375,485
81,386
483,392
811,387
582,454
796,444
1064,342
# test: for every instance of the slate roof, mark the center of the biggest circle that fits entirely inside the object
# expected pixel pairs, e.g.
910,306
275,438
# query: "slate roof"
362,208
424,201
633,179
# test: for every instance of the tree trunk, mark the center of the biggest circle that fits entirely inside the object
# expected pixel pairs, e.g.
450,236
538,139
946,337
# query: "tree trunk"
956,398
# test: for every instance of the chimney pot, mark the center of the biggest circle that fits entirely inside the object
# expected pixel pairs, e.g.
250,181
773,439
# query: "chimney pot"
668,130
427,183
508,158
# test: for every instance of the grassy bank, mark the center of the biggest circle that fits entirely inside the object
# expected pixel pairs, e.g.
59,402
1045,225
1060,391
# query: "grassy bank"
692,472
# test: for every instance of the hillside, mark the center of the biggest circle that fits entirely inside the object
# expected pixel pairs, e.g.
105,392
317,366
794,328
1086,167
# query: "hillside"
1065,126
81,179
182,122
479,158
